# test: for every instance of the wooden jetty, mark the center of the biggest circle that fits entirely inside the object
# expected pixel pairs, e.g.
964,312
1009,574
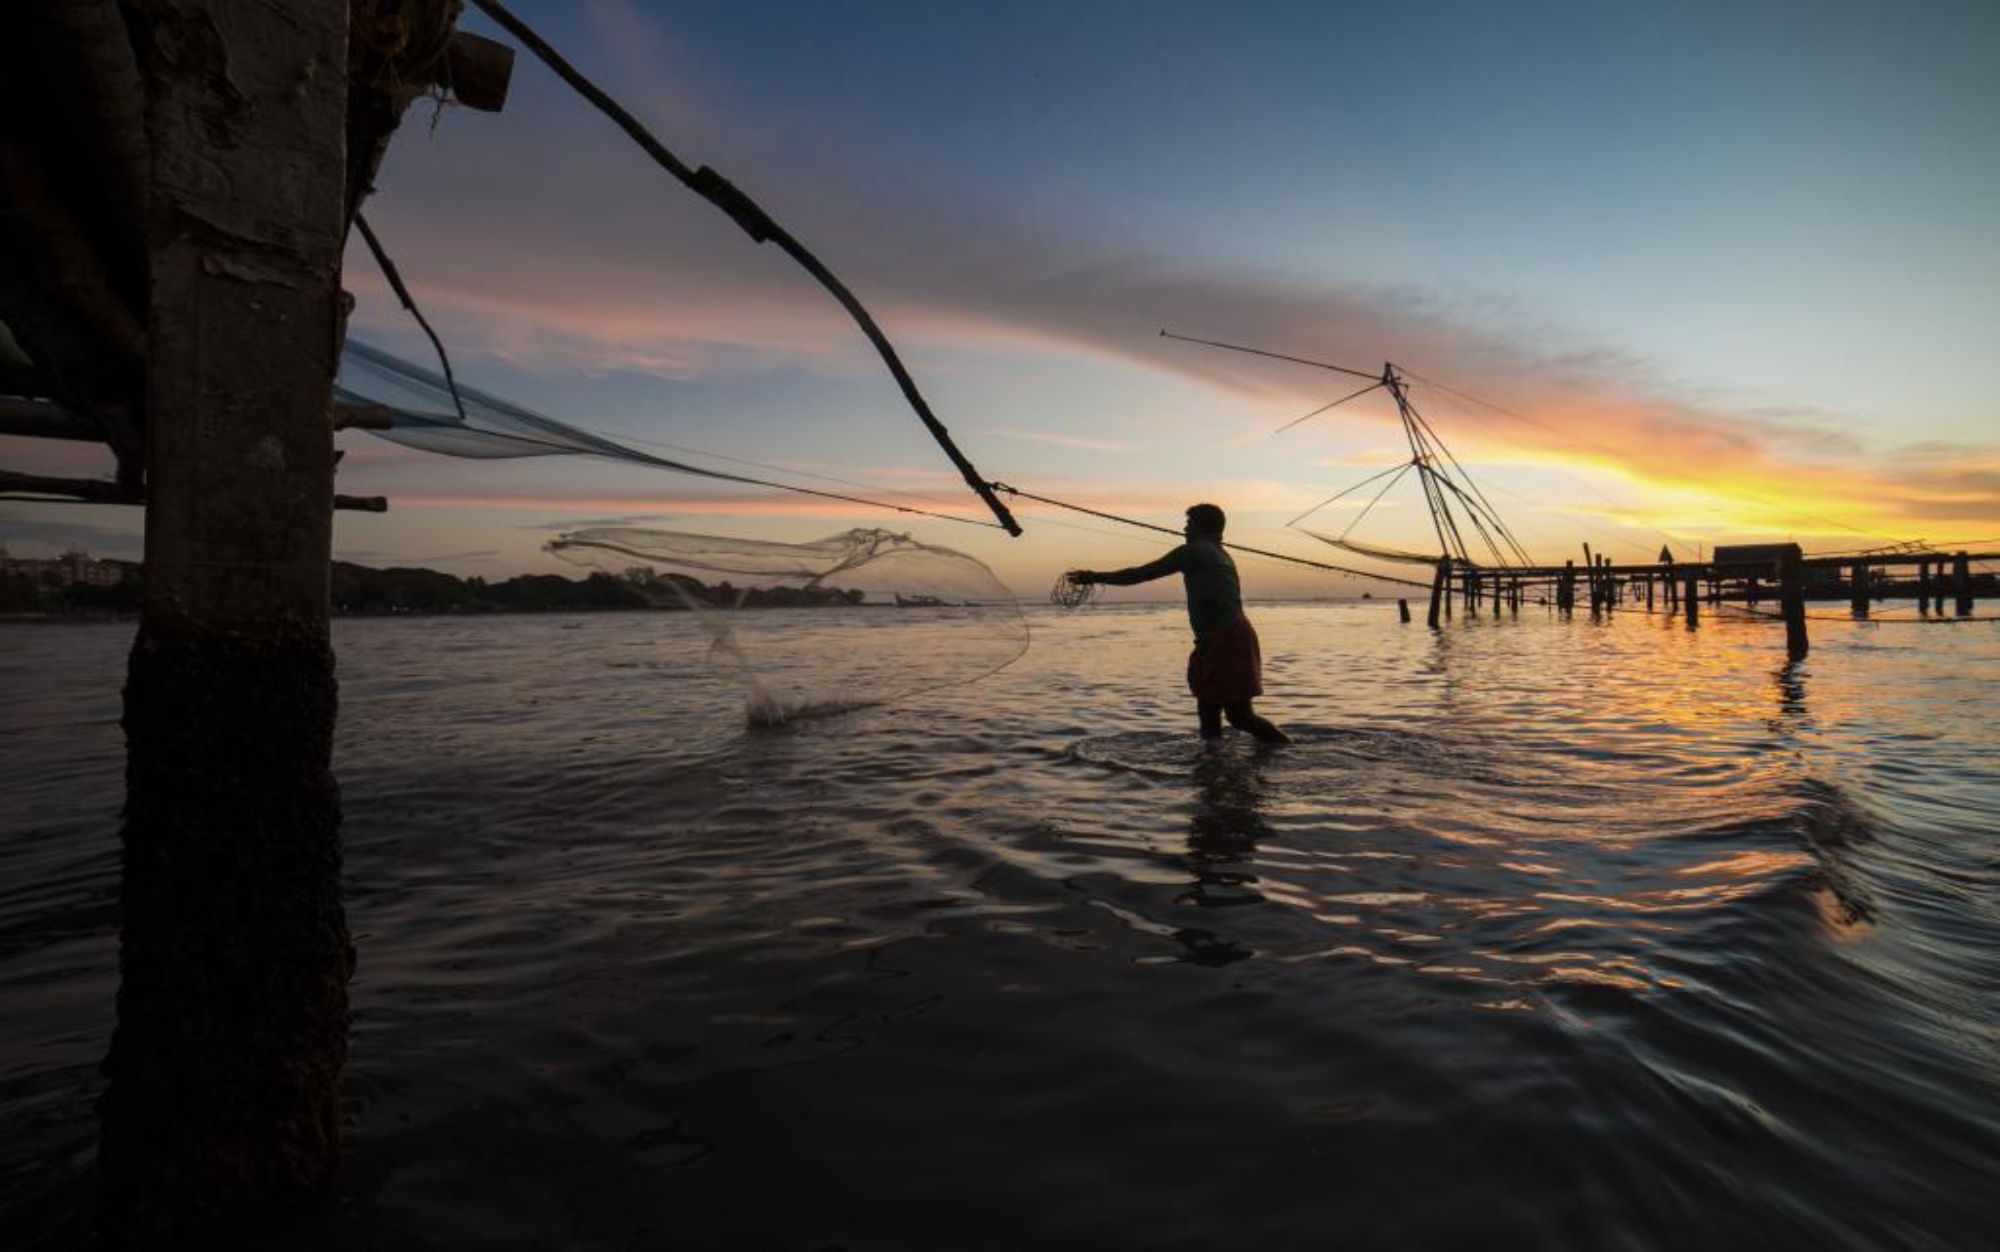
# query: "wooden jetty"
1748,574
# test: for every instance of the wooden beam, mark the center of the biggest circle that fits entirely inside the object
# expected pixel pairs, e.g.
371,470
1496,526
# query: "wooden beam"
362,416
91,490
45,419
477,71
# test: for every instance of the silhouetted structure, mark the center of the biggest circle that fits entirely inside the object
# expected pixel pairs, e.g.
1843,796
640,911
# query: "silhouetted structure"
179,180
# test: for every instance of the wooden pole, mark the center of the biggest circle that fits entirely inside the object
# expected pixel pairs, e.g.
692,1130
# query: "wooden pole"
223,1097
1857,590
1691,599
1438,595
1961,577
1924,587
1792,594
1566,590
1403,611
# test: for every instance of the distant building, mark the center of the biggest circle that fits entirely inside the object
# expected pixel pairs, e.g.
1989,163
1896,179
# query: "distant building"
70,569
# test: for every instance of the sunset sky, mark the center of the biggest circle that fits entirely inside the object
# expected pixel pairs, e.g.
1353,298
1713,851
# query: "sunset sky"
1716,271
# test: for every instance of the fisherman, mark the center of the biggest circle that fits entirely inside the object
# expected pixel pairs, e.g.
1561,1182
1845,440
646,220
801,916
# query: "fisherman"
1225,670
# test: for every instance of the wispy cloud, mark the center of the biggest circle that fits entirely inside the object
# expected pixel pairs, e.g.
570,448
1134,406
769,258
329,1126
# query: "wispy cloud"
1060,441
611,267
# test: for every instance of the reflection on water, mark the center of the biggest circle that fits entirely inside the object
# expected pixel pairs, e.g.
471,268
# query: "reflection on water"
1566,934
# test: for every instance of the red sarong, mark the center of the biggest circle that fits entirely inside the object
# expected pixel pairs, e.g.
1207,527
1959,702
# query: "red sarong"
1229,666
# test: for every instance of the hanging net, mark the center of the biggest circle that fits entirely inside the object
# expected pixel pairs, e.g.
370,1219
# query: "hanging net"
424,414
1371,550
850,621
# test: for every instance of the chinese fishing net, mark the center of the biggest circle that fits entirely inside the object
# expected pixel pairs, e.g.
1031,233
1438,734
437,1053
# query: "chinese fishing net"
851,621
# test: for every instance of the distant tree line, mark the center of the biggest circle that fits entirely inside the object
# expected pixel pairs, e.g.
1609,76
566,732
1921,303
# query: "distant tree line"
47,593
359,591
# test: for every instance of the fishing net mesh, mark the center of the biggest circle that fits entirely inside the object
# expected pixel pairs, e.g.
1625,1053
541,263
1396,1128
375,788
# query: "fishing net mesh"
1068,593
857,619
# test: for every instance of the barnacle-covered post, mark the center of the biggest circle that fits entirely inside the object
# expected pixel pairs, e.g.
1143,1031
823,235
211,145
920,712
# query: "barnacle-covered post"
223,1073
263,124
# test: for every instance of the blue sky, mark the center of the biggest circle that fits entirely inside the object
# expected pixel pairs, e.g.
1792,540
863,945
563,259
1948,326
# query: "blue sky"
1734,264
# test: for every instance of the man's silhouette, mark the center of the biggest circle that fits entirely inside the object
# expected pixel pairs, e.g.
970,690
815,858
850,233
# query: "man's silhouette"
1226,669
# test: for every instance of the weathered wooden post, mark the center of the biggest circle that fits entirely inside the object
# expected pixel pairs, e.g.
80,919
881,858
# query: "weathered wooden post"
1857,591
1923,587
1961,578
223,1096
1566,589
1438,592
1792,595
1691,599
1787,562
1496,591
1608,583
1403,610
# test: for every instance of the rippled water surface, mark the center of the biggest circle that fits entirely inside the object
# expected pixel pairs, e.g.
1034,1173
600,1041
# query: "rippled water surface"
1545,933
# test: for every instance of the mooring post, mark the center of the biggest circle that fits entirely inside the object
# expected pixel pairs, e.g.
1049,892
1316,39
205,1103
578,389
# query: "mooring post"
1691,599
1924,587
1566,589
1792,595
1610,584
1961,577
223,1075
1857,591
1403,609
1438,595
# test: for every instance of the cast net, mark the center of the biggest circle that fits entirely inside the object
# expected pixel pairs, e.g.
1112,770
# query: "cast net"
858,619
1068,593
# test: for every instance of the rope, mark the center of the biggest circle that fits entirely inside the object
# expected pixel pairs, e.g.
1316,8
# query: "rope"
754,222
1275,356
389,272
1234,547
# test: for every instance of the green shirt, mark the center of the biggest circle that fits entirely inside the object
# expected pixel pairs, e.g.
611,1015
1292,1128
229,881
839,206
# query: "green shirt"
1214,597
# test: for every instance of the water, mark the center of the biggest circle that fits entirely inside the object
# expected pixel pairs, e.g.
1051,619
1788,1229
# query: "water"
1550,934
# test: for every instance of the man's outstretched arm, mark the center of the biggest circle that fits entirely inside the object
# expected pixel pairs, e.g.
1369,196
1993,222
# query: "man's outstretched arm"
1172,563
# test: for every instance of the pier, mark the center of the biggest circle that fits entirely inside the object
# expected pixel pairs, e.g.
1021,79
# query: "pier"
1747,575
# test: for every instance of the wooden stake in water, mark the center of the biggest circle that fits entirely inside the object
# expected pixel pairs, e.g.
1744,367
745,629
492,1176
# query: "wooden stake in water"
1792,594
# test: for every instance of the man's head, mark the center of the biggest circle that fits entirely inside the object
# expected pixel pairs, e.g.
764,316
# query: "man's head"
1205,520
